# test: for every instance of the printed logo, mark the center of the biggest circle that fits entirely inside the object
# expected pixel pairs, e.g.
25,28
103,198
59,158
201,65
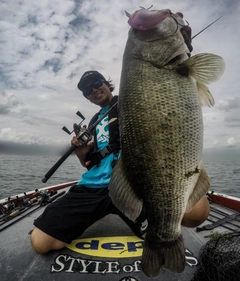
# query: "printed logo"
102,131
144,225
129,278
108,247
70,264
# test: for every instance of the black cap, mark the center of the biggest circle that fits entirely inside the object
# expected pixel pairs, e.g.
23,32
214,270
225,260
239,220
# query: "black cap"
88,76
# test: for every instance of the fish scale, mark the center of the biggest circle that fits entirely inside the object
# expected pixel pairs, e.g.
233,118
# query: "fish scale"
161,118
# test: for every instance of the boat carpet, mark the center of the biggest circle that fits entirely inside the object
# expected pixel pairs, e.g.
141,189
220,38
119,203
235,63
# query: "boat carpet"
107,251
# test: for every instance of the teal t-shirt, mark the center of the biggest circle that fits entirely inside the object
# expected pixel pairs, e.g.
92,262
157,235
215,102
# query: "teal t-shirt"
99,176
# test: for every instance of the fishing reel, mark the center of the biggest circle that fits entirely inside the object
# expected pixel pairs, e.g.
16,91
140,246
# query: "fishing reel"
82,133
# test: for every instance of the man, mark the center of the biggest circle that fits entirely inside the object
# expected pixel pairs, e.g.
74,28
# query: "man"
88,200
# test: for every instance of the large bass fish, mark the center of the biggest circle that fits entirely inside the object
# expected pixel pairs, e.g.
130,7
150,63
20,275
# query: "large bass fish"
161,125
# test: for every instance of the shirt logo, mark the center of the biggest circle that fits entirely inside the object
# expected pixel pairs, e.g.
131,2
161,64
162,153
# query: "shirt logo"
102,133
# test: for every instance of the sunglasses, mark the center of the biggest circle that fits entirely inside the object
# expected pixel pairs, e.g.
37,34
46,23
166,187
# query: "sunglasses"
96,85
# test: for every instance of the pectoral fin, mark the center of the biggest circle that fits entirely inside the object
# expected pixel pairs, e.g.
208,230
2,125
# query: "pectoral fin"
205,96
205,68
123,195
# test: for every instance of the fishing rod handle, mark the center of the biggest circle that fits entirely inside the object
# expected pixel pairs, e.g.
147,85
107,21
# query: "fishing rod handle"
58,163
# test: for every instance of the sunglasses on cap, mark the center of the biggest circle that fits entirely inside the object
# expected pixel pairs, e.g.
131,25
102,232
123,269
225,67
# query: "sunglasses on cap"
96,85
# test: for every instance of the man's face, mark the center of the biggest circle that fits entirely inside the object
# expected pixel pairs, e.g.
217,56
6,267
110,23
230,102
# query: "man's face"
100,96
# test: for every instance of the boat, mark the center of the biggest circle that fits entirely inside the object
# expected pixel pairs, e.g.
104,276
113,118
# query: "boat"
109,250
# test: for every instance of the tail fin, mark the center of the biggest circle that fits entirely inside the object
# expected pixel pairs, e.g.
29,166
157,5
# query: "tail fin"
170,255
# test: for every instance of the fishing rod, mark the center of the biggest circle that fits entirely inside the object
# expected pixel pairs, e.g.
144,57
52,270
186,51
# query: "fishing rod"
12,215
206,27
83,135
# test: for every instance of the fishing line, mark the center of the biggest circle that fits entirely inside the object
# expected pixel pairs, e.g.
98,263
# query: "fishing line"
207,27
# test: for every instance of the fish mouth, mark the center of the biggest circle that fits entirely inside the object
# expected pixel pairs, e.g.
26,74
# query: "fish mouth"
144,19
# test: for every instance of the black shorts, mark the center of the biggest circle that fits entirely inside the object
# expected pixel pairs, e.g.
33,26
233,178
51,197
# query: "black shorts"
68,217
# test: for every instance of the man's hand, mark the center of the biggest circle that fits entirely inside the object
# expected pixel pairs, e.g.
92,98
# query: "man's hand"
82,149
187,35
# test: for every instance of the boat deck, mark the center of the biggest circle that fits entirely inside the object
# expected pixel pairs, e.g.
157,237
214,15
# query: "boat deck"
108,250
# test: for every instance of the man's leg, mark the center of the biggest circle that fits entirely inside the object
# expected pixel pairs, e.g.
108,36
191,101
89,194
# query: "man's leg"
68,217
43,243
198,214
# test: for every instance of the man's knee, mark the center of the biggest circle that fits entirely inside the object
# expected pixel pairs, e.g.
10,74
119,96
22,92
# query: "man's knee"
198,214
43,243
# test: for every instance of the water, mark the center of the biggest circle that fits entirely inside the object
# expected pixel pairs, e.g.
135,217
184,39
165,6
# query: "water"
225,176
20,173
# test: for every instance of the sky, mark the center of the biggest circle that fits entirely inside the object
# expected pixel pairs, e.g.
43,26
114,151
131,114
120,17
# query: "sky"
45,47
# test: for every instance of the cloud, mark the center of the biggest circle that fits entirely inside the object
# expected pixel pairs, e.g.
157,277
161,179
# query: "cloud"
222,154
232,120
9,147
7,102
47,45
230,104
232,142
9,134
